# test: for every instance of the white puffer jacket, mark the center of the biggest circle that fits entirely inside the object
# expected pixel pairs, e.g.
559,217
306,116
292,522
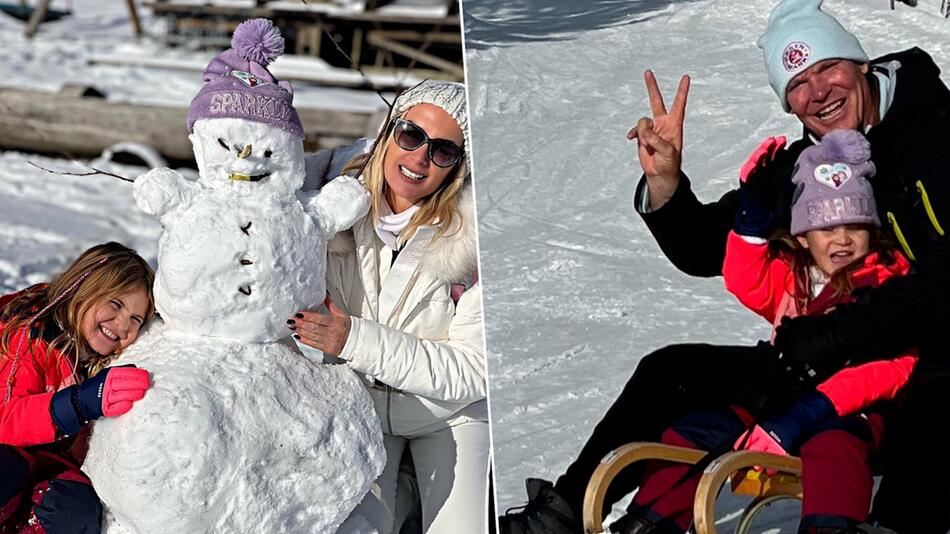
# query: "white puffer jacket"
422,356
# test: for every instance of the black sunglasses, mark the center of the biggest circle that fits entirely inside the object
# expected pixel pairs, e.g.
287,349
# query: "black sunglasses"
442,152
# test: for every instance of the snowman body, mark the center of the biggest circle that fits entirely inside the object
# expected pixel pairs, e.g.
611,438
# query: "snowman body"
240,432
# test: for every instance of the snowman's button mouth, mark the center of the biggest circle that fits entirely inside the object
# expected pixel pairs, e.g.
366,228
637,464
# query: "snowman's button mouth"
248,177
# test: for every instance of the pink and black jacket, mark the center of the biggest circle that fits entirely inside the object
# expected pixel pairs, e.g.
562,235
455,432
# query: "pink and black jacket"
25,419
767,286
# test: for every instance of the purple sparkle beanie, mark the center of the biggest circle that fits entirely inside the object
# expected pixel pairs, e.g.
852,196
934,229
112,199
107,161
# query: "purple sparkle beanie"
238,84
832,184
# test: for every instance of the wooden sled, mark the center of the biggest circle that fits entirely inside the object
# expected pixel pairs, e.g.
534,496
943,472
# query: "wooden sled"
737,466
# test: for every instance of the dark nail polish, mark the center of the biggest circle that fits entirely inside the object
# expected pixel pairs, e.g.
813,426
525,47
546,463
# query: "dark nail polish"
291,321
296,336
292,327
298,315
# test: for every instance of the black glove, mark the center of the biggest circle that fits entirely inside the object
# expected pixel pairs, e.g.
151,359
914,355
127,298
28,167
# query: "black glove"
758,189
811,349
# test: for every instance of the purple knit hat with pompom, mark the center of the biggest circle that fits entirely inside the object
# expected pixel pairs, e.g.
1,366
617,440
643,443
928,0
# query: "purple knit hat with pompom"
833,188
238,84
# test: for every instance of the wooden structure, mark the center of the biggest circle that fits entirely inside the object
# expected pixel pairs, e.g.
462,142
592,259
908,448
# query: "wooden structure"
381,38
737,466
79,122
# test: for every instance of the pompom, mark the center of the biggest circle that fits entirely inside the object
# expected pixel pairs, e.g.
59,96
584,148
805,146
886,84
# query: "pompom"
847,145
258,40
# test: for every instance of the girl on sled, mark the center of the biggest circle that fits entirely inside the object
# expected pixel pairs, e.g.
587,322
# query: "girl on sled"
834,248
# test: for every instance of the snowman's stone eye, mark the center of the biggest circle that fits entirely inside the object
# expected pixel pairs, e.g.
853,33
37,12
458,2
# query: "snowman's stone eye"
268,153
223,144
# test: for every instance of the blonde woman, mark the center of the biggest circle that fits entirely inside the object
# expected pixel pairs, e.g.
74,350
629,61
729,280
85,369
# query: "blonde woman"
405,313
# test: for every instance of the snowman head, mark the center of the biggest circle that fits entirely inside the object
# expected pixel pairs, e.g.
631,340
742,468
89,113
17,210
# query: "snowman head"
243,157
244,128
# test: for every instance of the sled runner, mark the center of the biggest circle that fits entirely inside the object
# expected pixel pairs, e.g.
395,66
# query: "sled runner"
737,466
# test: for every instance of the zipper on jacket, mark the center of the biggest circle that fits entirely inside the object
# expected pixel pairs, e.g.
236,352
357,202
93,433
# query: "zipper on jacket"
389,411
929,208
900,236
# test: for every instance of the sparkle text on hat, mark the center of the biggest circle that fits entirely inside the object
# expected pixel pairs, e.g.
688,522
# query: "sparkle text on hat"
830,211
248,104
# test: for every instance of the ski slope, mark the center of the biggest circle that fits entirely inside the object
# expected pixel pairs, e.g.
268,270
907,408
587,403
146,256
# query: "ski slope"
576,289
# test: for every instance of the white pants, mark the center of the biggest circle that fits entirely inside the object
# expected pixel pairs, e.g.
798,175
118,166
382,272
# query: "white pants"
451,468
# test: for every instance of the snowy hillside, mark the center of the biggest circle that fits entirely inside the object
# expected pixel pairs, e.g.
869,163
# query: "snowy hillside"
576,289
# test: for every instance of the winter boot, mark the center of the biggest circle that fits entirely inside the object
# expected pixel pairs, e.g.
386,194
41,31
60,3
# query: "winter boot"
546,513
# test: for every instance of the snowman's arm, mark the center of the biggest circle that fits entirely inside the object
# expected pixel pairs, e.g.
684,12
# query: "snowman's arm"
452,369
159,192
339,204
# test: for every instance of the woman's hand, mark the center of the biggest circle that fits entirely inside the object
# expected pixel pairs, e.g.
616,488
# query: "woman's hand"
660,140
327,333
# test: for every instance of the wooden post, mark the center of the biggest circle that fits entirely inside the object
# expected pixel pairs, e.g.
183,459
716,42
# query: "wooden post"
38,15
134,16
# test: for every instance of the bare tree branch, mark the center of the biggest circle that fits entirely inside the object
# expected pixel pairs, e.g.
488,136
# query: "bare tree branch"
93,172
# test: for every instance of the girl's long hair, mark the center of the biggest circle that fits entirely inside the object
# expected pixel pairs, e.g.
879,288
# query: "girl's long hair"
784,244
441,206
110,270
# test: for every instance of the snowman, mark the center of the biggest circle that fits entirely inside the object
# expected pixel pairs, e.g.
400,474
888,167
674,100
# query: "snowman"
240,431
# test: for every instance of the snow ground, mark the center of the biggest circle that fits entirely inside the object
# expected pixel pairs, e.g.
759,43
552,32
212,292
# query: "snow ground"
576,289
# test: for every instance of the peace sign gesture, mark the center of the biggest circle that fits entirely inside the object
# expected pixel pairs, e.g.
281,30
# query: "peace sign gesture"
660,140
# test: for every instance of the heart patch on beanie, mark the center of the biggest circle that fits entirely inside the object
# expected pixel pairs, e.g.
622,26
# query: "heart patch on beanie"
249,79
833,174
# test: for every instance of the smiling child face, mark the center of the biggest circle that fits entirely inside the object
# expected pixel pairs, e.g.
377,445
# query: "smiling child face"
113,324
833,248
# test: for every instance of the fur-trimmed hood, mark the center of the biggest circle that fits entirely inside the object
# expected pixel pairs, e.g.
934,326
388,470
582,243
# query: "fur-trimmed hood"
453,258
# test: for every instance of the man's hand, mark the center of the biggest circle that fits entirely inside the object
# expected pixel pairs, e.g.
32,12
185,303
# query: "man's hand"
660,140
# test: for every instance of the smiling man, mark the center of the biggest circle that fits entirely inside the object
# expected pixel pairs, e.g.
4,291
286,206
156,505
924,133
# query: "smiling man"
822,75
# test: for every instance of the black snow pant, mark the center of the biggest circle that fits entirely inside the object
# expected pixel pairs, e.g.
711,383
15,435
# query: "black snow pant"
679,379
914,496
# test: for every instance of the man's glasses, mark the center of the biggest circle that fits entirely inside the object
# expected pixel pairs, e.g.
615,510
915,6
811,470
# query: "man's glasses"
442,152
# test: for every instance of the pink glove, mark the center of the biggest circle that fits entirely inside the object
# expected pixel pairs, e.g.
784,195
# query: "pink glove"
767,149
761,441
123,386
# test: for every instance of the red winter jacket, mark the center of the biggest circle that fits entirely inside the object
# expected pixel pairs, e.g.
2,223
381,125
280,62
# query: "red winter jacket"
25,419
766,285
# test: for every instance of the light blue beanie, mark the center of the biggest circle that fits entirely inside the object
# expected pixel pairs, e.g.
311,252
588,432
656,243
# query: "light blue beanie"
799,35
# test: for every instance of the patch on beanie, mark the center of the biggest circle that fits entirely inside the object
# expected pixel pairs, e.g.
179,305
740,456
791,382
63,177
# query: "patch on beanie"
833,174
249,79
795,55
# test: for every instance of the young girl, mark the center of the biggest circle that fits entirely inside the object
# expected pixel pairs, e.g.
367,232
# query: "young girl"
834,248
56,341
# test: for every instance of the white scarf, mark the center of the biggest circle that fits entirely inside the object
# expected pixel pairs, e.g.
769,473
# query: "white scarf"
818,280
390,224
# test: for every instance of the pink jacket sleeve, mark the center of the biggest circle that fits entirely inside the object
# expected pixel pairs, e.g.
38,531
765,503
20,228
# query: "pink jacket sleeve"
759,282
25,419
854,388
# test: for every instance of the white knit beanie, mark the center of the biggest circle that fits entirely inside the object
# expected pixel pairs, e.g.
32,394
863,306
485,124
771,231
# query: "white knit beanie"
799,35
449,96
